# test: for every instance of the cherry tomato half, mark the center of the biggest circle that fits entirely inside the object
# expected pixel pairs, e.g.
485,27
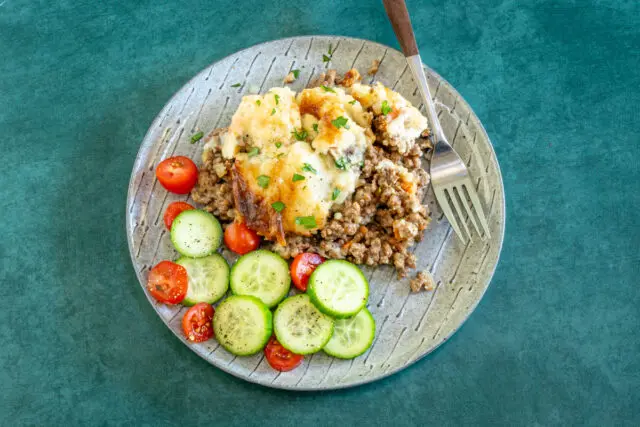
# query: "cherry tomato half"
173,210
302,267
197,323
280,358
241,239
177,174
168,282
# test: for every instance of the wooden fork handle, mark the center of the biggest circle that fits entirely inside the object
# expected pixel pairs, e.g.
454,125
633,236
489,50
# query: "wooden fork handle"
399,17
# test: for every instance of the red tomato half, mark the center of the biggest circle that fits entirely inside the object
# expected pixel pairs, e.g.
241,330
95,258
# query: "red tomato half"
241,239
168,282
177,174
302,267
280,358
173,210
197,323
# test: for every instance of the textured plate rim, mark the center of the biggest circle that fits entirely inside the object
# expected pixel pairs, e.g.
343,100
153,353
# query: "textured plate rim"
130,194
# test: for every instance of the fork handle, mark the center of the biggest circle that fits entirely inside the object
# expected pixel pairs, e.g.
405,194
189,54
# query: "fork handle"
399,17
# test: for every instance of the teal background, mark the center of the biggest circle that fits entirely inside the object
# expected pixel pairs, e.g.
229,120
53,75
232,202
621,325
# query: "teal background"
555,341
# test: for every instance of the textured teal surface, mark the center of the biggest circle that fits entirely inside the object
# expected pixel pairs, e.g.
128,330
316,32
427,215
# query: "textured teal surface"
554,342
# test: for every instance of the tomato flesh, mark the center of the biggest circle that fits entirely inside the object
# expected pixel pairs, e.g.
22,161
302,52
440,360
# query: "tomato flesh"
177,174
173,210
241,239
197,323
280,358
167,282
301,268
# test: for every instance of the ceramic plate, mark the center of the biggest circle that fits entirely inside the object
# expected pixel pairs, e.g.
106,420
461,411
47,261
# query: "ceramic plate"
408,325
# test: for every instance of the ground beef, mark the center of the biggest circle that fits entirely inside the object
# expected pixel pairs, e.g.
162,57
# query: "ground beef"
377,225
423,280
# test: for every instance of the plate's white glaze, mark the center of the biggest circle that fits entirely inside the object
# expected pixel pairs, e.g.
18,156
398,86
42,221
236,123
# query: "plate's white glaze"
408,325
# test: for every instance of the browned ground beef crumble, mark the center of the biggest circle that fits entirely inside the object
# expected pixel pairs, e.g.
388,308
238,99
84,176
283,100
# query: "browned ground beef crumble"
377,225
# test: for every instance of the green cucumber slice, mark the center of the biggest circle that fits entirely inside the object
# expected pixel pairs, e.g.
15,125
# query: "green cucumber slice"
208,278
196,233
300,327
351,337
261,274
338,288
242,325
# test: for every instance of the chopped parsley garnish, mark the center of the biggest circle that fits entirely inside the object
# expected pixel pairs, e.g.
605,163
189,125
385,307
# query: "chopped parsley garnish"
385,109
273,111
352,102
315,127
335,194
300,136
280,155
236,85
278,206
308,168
297,177
361,164
258,102
278,144
327,58
342,163
296,73
253,152
263,181
277,98
197,137
307,222
327,89
340,122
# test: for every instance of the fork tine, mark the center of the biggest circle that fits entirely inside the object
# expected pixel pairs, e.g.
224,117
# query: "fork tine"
467,208
444,205
475,201
456,206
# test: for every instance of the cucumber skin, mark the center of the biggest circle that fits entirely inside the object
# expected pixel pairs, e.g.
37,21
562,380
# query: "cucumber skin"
373,336
293,351
269,321
233,268
326,310
191,303
218,226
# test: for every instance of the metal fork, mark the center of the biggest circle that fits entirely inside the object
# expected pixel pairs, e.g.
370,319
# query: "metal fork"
450,178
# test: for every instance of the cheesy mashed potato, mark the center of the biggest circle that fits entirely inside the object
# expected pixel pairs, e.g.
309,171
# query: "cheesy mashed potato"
295,156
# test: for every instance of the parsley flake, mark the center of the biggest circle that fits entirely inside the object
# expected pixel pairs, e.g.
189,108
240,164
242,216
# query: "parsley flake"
236,85
277,98
278,144
352,102
253,152
335,194
273,111
315,127
327,89
296,73
278,206
308,168
297,177
385,109
263,181
258,102
301,135
197,137
340,122
342,163
307,222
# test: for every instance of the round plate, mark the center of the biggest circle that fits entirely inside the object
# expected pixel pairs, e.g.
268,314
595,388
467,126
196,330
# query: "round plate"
408,325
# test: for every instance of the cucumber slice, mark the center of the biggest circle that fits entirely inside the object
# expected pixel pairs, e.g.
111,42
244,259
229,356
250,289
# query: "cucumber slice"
196,233
300,327
351,337
208,278
338,288
261,274
242,325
